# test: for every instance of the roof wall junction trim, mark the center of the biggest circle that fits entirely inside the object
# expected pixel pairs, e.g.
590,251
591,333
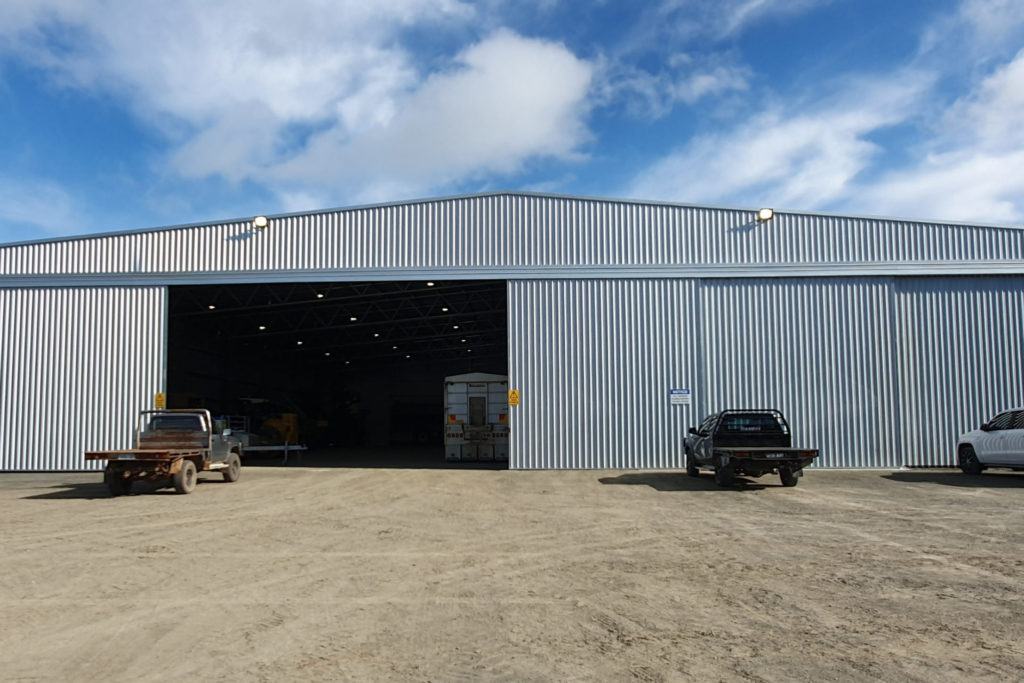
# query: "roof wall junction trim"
746,271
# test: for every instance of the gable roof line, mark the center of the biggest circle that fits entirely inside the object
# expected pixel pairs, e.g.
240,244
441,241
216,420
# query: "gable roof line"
503,193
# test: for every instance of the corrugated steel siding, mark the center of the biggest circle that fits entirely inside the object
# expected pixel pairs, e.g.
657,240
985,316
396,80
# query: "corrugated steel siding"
509,230
594,362
76,366
820,350
961,359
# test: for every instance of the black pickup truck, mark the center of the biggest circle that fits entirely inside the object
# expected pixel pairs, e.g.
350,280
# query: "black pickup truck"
746,443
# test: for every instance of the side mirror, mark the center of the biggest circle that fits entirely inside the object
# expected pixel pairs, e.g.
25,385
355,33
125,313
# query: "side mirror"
227,432
694,431
985,427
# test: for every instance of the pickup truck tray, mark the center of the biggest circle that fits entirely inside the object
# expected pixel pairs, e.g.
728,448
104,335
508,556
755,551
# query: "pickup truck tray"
145,454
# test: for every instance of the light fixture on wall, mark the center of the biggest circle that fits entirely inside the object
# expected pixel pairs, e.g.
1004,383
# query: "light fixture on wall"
765,215
260,222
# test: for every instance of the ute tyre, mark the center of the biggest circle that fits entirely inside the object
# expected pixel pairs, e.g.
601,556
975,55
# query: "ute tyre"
789,477
968,460
117,483
234,469
184,480
691,467
724,476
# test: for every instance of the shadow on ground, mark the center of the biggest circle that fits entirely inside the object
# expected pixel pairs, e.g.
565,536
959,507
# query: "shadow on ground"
680,481
93,491
415,457
989,479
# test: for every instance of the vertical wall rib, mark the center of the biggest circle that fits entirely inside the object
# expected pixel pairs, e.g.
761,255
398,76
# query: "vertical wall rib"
961,359
594,361
76,366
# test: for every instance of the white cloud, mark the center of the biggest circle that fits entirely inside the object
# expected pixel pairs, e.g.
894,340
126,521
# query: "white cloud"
977,28
974,168
738,15
507,100
316,92
780,158
685,79
962,156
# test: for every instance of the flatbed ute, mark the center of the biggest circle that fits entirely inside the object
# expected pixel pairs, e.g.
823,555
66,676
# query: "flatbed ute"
750,443
174,446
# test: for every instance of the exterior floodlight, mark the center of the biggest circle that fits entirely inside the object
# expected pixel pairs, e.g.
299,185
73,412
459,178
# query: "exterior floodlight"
260,222
765,214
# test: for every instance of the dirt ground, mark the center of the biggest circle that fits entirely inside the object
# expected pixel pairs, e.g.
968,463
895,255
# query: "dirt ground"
317,573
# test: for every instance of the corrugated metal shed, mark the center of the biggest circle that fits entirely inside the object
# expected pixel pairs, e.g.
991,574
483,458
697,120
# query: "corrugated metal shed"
881,338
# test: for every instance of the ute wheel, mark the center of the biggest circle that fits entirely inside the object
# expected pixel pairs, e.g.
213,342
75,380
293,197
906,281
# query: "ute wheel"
724,476
788,476
184,480
691,466
969,462
118,483
234,468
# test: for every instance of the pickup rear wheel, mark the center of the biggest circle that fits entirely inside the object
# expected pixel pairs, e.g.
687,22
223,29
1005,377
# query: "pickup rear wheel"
789,477
724,476
118,483
234,468
691,466
184,480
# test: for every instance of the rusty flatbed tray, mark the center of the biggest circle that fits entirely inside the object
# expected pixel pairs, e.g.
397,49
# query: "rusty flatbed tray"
145,454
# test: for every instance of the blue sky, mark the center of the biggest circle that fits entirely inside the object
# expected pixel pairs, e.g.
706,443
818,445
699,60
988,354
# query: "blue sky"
129,114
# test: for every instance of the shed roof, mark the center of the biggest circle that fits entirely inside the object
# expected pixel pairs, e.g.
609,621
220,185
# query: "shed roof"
517,235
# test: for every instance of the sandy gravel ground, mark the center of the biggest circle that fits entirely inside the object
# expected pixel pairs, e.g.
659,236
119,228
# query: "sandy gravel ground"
309,573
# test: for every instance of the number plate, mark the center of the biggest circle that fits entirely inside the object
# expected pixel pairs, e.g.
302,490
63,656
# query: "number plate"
126,456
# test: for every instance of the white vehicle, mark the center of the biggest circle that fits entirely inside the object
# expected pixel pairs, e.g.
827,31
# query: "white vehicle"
997,443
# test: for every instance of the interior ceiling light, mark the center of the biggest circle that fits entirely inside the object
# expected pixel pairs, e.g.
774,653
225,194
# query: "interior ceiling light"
376,334
319,295
463,341
263,327
408,356
211,307
455,327
260,222
395,348
327,353
430,284
299,343
444,309
352,319
765,214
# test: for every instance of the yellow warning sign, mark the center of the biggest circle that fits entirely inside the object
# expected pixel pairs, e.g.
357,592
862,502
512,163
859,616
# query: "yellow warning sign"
160,401
513,397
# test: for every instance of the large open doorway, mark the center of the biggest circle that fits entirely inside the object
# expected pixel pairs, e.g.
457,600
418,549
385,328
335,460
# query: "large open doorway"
353,370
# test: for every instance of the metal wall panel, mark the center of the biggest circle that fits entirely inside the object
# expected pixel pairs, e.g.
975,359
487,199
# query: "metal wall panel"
512,230
961,359
76,366
594,361
820,350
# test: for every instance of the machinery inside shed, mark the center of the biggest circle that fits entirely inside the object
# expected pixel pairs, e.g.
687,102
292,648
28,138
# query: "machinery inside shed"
353,370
